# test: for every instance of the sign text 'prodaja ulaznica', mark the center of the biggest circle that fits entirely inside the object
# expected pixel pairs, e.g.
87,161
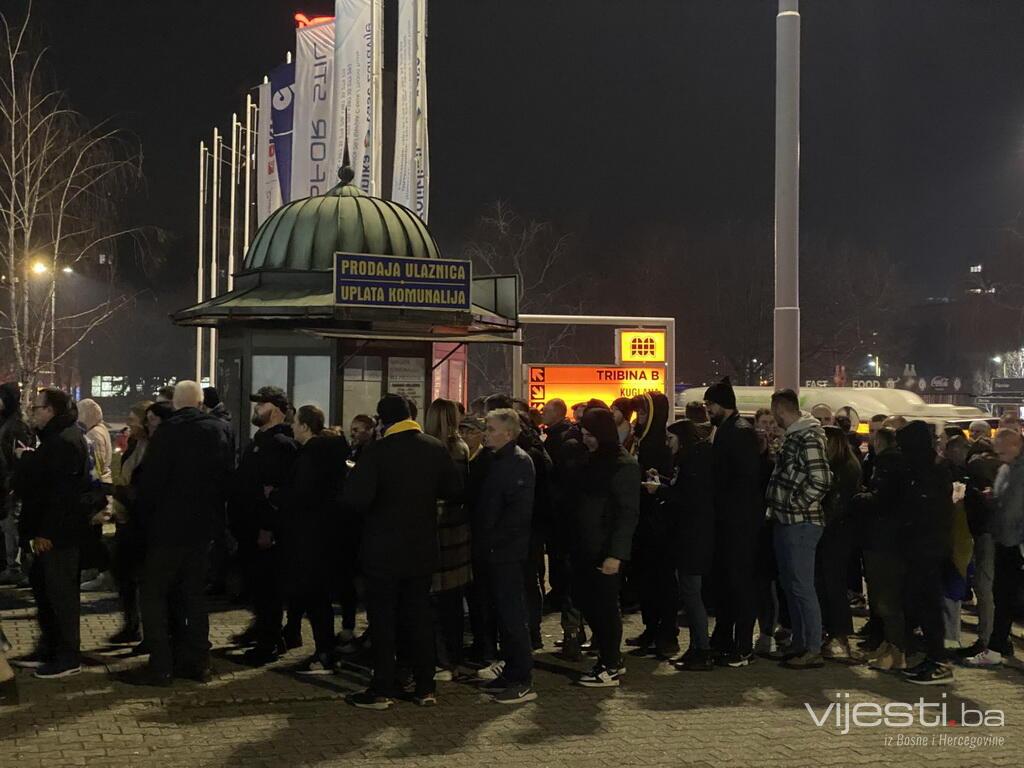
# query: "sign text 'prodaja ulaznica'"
364,280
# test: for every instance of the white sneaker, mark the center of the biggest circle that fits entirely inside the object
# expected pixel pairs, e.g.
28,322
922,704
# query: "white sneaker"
764,645
984,659
442,675
491,671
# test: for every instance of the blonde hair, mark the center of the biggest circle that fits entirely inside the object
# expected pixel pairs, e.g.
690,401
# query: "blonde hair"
508,418
442,421
187,394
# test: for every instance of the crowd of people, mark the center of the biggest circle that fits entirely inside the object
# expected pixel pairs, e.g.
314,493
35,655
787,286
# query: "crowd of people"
780,527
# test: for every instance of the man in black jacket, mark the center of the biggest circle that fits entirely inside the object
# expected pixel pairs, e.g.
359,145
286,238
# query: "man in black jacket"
396,486
501,544
265,469
739,516
181,495
52,481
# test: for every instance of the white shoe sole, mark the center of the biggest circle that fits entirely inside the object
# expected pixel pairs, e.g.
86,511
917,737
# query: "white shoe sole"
25,664
314,673
599,683
944,681
531,696
66,673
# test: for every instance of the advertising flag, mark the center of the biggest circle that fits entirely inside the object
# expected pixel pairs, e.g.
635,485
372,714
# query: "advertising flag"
357,103
314,169
282,102
268,188
411,179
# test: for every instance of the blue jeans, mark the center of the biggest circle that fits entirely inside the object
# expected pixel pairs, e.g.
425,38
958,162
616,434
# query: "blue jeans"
795,547
696,614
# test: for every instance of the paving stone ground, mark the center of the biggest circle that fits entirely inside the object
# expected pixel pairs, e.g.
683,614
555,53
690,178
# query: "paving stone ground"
744,717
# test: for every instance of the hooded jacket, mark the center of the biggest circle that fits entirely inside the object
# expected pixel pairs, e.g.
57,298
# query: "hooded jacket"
183,485
802,476
929,494
51,482
606,508
652,451
90,416
739,498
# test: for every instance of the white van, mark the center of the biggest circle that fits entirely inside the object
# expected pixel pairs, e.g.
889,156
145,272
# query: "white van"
864,403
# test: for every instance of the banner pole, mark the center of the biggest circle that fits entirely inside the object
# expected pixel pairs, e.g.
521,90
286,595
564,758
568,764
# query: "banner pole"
214,223
233,202
199,269
249,107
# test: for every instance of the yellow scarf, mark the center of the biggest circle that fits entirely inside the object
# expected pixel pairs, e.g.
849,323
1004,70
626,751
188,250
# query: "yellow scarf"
403,426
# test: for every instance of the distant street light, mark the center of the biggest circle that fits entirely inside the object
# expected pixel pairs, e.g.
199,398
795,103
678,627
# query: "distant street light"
998,360
68,271
39,268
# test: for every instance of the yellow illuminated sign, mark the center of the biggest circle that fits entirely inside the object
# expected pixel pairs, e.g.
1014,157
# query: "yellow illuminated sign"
640,346
579,383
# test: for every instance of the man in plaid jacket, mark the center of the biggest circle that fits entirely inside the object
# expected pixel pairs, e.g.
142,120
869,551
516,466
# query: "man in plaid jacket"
795,493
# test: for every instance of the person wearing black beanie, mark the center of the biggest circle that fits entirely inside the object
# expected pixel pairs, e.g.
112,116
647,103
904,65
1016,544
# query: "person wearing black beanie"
603,512
739,517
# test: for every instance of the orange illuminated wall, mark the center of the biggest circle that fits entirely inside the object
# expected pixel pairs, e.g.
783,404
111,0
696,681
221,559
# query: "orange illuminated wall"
579,383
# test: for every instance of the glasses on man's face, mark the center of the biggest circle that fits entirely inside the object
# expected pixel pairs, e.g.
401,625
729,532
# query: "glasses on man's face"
37,407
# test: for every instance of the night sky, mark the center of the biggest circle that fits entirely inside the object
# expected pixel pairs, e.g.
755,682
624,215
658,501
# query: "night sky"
616,120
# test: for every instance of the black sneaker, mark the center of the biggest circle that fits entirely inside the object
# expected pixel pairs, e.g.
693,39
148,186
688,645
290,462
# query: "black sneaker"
516,694
735,659
126,636
145,677
916,670
497,685
247,636
931,673
601,677
969,651
695,661
57,669
643,640
318,664
200,675
369,700
142,649
666,651
786,653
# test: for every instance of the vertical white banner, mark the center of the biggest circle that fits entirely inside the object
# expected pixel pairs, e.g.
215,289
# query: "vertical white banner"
410,184
357,88
268,187
314,169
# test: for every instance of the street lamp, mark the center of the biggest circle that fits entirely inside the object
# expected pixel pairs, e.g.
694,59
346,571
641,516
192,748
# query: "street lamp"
39,268
68,271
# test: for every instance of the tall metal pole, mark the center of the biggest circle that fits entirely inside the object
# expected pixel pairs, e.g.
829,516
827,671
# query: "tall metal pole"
214,266
232,200
199,269
787,196
250,107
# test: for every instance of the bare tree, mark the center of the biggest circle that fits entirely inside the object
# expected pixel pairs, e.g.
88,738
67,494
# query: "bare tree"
506,244
62,181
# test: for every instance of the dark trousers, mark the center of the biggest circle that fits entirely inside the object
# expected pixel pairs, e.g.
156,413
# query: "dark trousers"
657,582
126,567
54,580
1005,588
174,618
923,600
400,601
449,622
533,586
315,603
735,592
481,614
886,575
505,581
598,597
267,597
696,613
832,564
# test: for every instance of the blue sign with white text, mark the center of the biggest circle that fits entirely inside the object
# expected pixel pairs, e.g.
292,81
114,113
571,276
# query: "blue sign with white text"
365,280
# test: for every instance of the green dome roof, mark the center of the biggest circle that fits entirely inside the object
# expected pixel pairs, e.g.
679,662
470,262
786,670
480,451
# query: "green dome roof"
305,234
